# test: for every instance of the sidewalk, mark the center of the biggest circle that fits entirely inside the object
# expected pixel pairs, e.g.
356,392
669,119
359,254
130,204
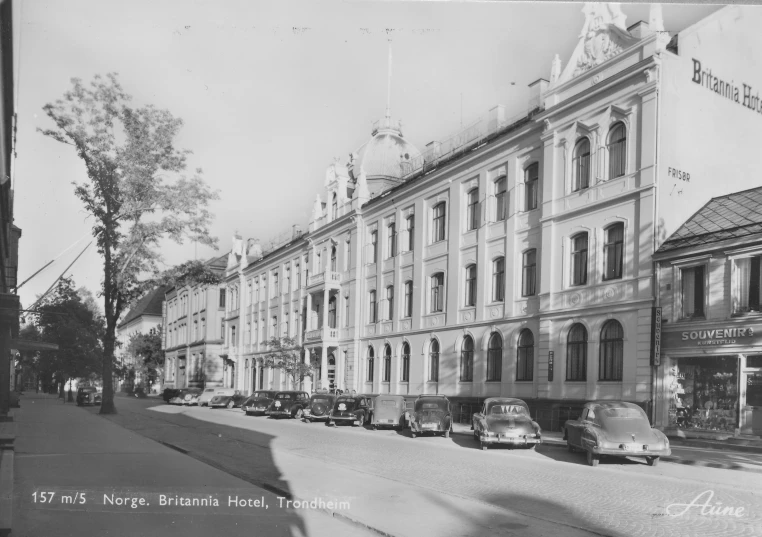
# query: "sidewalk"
77,474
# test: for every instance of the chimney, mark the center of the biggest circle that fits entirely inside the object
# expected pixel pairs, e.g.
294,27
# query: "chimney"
640,30
495,118
536,91
296,231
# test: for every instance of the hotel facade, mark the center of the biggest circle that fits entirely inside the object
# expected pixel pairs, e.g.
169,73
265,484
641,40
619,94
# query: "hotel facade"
515,257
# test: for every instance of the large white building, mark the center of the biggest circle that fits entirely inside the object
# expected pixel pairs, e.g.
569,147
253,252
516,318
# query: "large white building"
515,257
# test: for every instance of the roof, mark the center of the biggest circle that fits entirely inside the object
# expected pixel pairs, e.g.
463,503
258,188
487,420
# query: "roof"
150,304
725,217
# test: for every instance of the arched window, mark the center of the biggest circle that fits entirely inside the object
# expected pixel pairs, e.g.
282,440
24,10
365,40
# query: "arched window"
470,298
498,279
387,373
438,222
369,373
501,203
437,292
408,299
332,312
467,360
334,207
612,351
405,377
581,165
576,353
495,358
531,182
372,309
525,356
434,361
472,209
613,252
617,147
579,259
390,303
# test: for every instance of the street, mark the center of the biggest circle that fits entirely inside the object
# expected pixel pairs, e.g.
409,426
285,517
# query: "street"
452,487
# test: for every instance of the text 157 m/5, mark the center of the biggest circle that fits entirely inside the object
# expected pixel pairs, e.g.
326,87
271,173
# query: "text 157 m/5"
78,498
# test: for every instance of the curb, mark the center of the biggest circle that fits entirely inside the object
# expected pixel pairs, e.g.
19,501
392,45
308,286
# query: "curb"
715,445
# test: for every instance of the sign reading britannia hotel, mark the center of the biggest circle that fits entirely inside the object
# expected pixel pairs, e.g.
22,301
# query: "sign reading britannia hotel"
464,266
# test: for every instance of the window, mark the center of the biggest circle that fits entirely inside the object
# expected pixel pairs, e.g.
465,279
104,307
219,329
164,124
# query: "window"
531,183
613,251
576,353
233,340
748,285
581,165
437,292
256,290
332,312
369,373
408,299
612,351
276,285
222,298
390,303
438,222
472,209
372,307
373,246
410,233
333,259
285,326
434,361
525,356
347,253
467,360
274,327
693,292
617,147
470,285
346,309
495,358
501,203
334,207
579,259
288,281
529,273
391,240
498,279
387,372
405,362
298,281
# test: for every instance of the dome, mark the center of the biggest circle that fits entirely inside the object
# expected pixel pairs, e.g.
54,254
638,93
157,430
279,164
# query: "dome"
382,157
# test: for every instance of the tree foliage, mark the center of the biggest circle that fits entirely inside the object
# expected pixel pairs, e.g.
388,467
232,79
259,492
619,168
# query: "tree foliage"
147,354
284,354
136,192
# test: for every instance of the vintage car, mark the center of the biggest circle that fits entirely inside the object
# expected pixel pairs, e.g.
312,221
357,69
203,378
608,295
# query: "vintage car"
88,395
191,396
615,428
319,407
205,396
389,411
169,394
179,399
227,398
354,409
431,414
288,404
258,402
503,420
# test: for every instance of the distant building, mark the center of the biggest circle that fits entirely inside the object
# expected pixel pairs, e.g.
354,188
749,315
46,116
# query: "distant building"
193,328
709,381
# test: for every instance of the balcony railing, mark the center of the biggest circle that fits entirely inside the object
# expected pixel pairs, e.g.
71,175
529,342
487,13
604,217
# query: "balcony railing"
322,334
322,277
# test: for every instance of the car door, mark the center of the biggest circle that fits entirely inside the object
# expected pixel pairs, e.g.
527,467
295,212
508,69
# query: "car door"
574,428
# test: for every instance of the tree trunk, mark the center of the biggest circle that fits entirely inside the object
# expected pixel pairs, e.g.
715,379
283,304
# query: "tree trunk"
70,399
61,389
107,400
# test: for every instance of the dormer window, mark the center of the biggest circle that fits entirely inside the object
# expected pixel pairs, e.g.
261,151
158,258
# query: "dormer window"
581,164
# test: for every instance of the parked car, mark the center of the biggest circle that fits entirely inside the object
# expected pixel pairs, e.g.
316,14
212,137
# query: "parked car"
354,409
169,394
319,407
88,395
288,404
191,396
389,411
258,402
615,428
504,420
179,399
206,396
431,414
227,398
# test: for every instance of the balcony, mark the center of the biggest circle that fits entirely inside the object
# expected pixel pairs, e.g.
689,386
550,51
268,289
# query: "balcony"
329,278
324,334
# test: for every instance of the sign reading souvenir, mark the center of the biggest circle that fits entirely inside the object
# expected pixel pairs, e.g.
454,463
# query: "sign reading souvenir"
656,336
550,366
716,336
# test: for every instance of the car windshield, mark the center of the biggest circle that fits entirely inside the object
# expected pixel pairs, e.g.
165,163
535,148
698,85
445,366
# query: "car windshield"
87,389
345,401
621,413
320,400
440,405
260,395
283,396
503,409
209,390
389,403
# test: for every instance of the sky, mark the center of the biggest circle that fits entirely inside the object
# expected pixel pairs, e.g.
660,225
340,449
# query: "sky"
269,92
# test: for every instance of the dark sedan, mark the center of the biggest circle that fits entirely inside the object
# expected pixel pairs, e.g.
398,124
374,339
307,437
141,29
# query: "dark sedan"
354,409
227,398
431,414
258,403
288,405
319,407
504,420
88,395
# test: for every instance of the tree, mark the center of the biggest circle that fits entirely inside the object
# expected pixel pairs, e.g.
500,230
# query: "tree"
286,355
136,193
147,354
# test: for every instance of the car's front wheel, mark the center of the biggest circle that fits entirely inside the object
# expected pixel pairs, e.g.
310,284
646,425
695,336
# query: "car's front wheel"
652,461
593,459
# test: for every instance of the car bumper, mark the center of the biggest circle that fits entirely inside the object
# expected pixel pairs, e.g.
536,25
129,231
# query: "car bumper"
662,452
280,413
344,418
310,416
218,405
510,440
254,410
387,422
426,428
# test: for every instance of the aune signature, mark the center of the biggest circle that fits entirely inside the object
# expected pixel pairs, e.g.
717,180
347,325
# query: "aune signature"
703,502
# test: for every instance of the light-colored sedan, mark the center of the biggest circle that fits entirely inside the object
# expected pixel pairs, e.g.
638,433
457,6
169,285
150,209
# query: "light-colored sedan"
207,394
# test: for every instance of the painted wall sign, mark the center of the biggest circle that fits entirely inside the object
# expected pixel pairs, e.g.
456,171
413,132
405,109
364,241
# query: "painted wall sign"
682,175
717,336
655,336
740,95
550,366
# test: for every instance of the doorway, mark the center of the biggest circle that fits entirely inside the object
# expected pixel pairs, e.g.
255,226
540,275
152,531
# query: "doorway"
331,372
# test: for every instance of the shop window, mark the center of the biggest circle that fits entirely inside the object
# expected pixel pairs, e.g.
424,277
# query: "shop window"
470,298
501,201
613,252
748,285
581,165
612,352
495,358
617,147
437,292
387,373
467,360
472,209
405,377
579,259
438,222
705,394
754,361
531,183
525,356
498,279
434,361
693,292
576,353
529,273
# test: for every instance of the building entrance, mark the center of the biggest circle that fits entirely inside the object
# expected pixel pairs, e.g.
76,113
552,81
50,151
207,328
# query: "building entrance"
331,372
